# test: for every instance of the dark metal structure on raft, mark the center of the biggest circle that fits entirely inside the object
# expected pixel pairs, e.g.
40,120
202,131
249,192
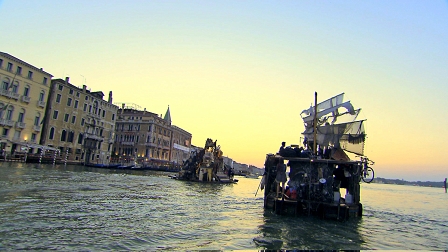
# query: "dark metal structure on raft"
321,169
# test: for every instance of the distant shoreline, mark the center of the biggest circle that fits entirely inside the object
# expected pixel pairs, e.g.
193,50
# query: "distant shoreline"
404,182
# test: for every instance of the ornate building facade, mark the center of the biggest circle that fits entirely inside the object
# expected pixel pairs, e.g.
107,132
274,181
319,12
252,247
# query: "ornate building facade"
79,123
148,138
23,99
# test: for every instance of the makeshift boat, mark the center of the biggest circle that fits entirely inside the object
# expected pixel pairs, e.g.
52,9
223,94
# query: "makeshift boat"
206,166
320,170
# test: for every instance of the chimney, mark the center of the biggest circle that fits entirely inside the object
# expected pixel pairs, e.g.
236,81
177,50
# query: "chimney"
122,108
144,111
110,97
84,87
67,80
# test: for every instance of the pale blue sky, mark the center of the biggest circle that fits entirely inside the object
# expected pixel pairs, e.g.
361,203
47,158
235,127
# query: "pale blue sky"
239,71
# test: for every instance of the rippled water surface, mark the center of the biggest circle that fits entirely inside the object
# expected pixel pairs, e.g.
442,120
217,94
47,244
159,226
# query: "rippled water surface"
83,208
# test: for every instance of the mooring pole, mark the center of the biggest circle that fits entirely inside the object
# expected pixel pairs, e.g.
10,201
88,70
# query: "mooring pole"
315,125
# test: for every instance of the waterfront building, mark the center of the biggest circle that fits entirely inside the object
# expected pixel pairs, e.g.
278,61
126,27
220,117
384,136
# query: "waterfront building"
228,161
147,138
255,170
240,169
79,123
23,95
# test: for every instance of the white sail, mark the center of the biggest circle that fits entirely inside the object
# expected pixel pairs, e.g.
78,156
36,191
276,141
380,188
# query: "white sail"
335,127
333,110
332,102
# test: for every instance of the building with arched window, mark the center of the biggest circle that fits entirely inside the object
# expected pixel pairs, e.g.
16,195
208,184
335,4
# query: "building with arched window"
146,137
79,123
23,93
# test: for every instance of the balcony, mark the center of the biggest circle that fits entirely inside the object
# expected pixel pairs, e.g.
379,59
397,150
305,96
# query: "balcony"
94,116
9,94
41,104
36,128
128,143
5,122
20,125
151,144
26,99
94,137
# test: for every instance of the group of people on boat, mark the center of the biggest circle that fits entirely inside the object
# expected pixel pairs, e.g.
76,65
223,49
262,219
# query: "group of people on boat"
286,187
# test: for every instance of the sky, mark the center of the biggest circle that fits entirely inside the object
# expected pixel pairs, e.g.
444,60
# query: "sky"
240,72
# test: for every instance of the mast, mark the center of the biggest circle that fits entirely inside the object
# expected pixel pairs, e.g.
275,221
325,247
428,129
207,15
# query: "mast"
315,124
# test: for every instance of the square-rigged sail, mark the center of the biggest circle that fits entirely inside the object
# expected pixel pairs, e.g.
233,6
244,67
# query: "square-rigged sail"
336,125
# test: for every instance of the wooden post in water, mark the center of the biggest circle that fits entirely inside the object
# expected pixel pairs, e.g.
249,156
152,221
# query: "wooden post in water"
315,125
54,157
42,150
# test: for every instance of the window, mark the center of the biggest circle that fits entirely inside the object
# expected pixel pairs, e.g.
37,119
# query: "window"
58,98
9,113
71,135
30,75
80,138
90,108
87,98
77,94
21,115
15,87
26,91
37,120
85,107
33,137
9,67
2,105
5,132
66,117
70,91
60,87
1,63
51,135
41,96
69,102
113,117
73,119
63,135
17,134
5,84
76,104
45,81
55,114
19,70
104,113
82,122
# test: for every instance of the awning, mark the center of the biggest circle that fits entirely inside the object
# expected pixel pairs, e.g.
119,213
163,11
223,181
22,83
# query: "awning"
37,146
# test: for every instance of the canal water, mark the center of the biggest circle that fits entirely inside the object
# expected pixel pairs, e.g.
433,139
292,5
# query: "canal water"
95,209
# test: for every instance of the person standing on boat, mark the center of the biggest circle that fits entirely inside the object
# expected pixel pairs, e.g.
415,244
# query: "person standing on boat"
281,176
444,184
282,148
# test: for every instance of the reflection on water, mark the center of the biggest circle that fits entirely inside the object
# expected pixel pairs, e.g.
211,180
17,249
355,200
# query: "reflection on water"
86,208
